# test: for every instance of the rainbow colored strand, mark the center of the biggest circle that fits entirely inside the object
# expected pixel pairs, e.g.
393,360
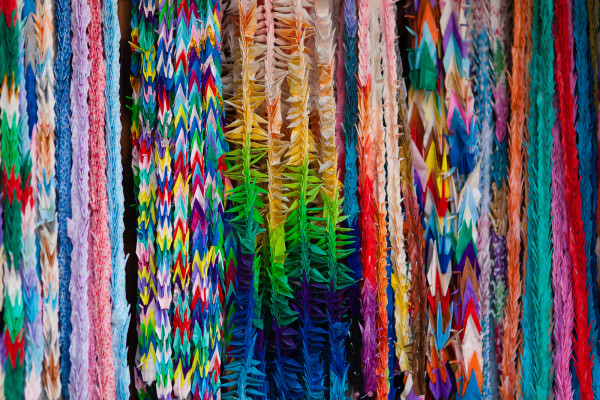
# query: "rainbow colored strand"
283,382
216,184
242,378
47,232
32,290
147,308
181,312
11,166
366,176
79,223
337,274
162,160
63,181
116,205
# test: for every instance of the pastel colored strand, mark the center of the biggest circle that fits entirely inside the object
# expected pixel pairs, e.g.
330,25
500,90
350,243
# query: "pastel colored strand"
32,290
47,231
78,225
116,205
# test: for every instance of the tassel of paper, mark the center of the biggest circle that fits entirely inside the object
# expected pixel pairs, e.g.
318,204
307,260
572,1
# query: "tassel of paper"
587,150
242,377
500,35
366,177
561,274
32,289
78,225
47,230
484,101
284,374
101,262
565,82
391,98
351,209
116,205
462,138
181,173
12,115
509,380
337,274
538,294
146,356
164,230
62,131
216,185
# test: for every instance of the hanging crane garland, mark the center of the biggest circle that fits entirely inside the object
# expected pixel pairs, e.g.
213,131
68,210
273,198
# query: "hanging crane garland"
324,210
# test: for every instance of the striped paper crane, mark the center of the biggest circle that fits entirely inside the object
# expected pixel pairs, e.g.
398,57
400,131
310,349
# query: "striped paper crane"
116,204
283,382
336,273
47,231
145,250
518,84
79,223
537,302
565,83
164,183
180,192
11,118
32,290
242,377
462,139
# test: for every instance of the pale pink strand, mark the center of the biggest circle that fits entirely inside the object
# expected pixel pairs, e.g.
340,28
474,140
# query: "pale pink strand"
100,240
